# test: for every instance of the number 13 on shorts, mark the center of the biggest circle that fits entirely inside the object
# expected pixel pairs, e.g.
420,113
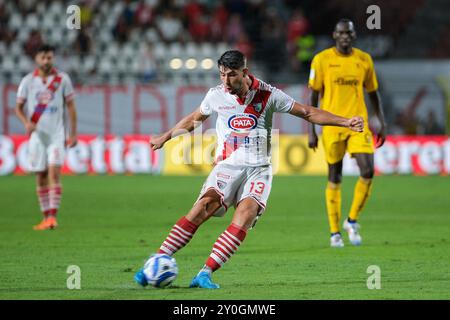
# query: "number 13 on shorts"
258,186
259,189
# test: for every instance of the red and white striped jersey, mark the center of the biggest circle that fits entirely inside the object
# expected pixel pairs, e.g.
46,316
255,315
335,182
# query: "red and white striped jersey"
244,127
36,94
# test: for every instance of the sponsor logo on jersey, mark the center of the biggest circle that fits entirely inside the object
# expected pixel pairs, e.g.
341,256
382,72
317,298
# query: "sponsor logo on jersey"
227,107
44,97
43,109
242,122
341,81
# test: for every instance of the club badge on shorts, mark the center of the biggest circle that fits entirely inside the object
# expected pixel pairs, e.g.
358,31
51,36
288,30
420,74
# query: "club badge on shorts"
221,184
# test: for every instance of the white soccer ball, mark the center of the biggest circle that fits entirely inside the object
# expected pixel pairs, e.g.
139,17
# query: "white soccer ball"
160,270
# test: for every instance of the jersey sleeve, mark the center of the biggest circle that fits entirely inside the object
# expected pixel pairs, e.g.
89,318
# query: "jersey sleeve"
315,81
68,91
282,101
370,81
206,107
22,91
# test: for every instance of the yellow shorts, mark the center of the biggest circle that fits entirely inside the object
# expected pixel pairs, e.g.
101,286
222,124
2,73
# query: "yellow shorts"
336,143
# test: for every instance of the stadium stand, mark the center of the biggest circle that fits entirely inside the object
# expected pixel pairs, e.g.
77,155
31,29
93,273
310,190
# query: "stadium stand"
149,41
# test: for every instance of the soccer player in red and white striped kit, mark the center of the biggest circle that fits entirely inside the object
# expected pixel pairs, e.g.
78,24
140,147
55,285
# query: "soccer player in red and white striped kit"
47,92
242,175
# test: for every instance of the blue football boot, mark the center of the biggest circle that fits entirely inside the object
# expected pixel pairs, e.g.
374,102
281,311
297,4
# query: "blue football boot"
139,277
203,280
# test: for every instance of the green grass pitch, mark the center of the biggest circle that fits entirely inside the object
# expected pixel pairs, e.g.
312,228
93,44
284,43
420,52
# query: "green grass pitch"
110,224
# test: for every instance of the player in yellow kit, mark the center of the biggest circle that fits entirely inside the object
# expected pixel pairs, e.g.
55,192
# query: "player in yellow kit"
339,76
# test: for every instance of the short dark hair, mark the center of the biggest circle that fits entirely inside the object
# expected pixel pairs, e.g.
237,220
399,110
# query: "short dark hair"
343,20
45,48
232,59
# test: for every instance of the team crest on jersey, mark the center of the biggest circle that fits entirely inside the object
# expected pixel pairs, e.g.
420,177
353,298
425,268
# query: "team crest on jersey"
242,122
44,97
258,107
221,184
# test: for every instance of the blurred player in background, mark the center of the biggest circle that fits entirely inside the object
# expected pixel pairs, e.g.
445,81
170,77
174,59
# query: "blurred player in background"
339,74
242,175
46,92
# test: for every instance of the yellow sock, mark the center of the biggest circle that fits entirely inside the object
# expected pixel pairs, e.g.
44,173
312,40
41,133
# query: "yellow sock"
360,196
333,197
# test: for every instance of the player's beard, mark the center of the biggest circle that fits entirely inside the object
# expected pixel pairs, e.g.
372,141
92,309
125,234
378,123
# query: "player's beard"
46,68
238,90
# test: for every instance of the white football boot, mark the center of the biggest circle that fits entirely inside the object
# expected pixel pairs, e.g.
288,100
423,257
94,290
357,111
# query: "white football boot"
336,241
353,232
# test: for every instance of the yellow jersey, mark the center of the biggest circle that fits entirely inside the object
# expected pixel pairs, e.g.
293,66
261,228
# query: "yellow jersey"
341,79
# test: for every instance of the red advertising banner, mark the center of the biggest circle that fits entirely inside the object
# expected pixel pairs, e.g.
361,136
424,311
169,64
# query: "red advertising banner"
131,154
92,155
419,155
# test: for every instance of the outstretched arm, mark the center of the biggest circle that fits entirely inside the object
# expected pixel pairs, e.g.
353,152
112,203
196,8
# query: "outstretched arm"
325,118
185,125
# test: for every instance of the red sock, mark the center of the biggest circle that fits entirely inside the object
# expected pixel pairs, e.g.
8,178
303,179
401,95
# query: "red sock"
225,246
43,197
181,233
55,193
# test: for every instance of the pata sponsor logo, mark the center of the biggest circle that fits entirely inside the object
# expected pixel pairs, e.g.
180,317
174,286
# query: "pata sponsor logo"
44,97
242,122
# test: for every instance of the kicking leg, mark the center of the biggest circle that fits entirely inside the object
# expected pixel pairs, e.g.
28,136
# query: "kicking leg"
228,242
183,231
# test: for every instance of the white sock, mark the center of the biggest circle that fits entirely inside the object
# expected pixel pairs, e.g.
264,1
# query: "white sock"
206,269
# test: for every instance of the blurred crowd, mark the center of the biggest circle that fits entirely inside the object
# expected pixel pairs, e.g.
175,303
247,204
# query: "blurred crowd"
119,39
248,25
261,29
